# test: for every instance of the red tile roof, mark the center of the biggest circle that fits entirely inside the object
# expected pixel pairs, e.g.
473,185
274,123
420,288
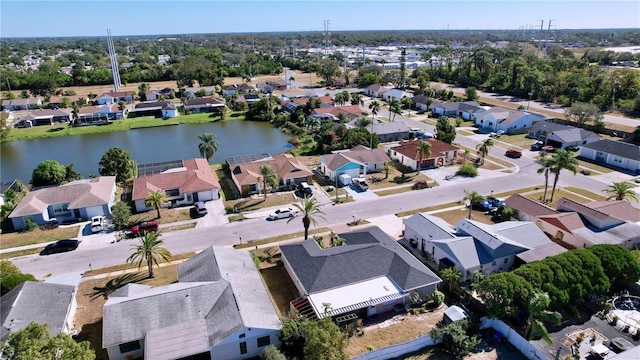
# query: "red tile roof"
286,166
349,110
409,148
196,175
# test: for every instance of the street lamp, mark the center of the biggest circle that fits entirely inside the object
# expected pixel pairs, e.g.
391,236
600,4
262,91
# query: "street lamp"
530,95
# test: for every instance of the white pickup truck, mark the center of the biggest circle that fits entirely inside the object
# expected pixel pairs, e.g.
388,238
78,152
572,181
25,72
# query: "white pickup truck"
360,183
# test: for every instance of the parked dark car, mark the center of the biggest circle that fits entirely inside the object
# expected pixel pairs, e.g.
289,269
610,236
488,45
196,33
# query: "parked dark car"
573,148
60,246
537,146
144,227
515,154
496,202
200,208
483,205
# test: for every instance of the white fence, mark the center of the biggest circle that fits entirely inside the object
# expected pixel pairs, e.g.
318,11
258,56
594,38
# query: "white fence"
397,350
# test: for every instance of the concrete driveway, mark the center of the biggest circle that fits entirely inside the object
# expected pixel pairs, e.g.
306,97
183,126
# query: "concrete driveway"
359,195
216,215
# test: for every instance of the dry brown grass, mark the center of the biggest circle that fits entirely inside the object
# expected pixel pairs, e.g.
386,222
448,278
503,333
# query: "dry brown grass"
37,236
92,295
453,216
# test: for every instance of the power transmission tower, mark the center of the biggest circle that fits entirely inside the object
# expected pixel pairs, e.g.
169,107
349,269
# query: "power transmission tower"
540,37
546,42
114,62
327,38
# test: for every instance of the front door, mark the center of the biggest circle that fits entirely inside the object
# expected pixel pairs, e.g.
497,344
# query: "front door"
195,197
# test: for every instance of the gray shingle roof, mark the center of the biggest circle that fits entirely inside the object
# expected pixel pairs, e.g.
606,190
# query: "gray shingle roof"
368,254
359,155
431,226
548,126
43,303
622,149
466,250
460,106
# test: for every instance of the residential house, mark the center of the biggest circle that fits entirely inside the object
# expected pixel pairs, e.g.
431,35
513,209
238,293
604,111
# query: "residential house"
248,98
45,117
21,104
465,110
583,225
385,131
528,209
163,109
508,120
80,199
562,136
101,114
243,88
476,247
277,84
376,90
424,103
200,91
540,129
193,181
292,104
357,161
115,97
289,170
396,94
370,274
614,153
406,153
204,104
56,102
159,94
218,309
333,113
44,303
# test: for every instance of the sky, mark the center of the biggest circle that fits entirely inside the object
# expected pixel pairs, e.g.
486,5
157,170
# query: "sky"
55,18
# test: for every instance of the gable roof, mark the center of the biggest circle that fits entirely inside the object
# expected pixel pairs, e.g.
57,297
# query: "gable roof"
353,110
398,93
548,126
409,148
206,101
466,250
303,100
565,204
572,134
368,254
155,105
505,238
619,148
196,175
359,154
47,113
21,102
431,226
43,303
620,209
528,206
78,194
503,115
377,88
467,106
286,166
71,98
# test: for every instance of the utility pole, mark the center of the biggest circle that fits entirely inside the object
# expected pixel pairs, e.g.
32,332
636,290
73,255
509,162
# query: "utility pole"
327,38
546,43
540,37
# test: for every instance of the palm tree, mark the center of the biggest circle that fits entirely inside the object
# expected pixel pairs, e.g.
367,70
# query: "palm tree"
538,315
356,99
208,145
407,103
291,79
472,197
483,148
621,191
546,165
424,149
74,113
466,154
268,176
374,106
156,199
150,250
394,108
388,166
562,159
451,275
309,207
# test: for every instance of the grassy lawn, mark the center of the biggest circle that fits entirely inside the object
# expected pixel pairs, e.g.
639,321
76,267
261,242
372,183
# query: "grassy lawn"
258,202
37,236
13,254
560,193
464,132
92,295
455,215
281,238
121,267
587,193
518,140
167,216
593,166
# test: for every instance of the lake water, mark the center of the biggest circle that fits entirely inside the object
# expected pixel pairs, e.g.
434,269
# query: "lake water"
19,158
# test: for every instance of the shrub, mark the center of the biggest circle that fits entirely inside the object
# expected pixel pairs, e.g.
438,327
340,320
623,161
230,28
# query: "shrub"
11,281
30,225
458,122
419,185
467,170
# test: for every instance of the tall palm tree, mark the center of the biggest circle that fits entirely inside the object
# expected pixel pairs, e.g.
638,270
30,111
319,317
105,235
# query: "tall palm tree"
423,149
150,250
156,199
561,159
483,148
387,166
394,108
472,197
309,207
466,155
407,103
268,176
374,106
208,145
546,165
621,191
356,99
451,275
538,315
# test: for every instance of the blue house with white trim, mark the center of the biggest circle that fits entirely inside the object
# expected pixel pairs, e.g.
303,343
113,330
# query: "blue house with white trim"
355,162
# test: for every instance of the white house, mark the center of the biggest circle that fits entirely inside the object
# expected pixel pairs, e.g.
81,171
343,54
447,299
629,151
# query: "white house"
466,110
376,90
508,120
396,94
115,97
614,153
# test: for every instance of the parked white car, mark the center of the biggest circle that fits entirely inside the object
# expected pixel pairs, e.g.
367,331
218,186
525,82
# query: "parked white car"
282,214
97,224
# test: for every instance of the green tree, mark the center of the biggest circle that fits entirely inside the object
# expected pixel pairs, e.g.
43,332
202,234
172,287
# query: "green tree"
465,155
617,262
117,162
120,213
423,151
48,172
635,136
438,297
471,93
454,338
444,130
268,176
582,113
35,342
545,167
483,148
452,276
292,336
561,160
324,340
328,70
5,129
10,276
387,166
356,99
504,294
309,207
472,197
407,103
155,199
539,315
150,251
395,109
71,174
507,213
272,353
208,145
621,191
374,106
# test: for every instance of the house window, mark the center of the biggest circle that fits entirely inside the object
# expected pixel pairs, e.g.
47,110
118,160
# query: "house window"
264,341
60,208
243,348
130,346
242,336
493,263
172,192
506,260
617,159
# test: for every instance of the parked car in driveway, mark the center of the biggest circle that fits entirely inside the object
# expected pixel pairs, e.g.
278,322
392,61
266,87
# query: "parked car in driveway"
537,146
60,246
282,214
200,208
496,202
97,224
144,227
515,154
483,205
360,184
